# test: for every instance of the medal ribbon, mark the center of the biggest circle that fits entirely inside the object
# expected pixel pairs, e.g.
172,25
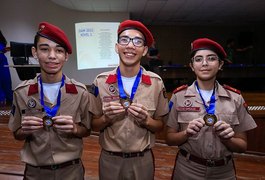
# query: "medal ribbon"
135,84
50,111
211,108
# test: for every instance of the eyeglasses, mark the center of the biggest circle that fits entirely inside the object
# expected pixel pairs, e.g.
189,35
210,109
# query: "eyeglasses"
210,58
137,41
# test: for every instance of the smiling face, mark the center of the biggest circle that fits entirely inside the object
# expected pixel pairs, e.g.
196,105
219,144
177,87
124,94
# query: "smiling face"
51,56
206,64
130,55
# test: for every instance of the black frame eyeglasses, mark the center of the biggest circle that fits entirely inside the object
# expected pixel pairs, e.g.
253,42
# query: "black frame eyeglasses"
125,40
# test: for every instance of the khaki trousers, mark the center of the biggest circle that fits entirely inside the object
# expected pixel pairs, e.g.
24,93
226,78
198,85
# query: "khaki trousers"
71,172
113,167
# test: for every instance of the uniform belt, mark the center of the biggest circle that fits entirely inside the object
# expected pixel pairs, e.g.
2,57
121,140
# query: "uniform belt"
58,166
205,162
127,155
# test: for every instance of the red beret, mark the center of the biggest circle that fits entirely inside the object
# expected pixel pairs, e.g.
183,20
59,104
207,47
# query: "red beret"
205,43
55,34
130,24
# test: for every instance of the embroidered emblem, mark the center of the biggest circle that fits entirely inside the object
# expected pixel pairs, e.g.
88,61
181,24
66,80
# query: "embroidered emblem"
187,103
112,89
41,28
31,103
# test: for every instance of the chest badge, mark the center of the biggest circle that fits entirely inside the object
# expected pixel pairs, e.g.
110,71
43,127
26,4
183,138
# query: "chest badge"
187,103
112,89
31,103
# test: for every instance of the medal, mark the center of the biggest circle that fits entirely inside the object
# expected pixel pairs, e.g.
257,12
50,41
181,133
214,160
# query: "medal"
124,99
47,122
125,102
210,119
51,112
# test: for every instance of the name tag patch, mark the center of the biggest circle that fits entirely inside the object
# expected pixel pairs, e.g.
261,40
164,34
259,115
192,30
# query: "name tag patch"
188,109
110,98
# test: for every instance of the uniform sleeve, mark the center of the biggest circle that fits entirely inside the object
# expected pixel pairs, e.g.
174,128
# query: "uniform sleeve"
246,121
15,116
173,114
162,105
85,114
95,104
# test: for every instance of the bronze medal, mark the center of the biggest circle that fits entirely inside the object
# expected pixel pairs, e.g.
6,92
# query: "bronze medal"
47,122
210,119
125,102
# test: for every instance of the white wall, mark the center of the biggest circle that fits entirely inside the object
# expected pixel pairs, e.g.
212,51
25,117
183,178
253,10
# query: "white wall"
20,19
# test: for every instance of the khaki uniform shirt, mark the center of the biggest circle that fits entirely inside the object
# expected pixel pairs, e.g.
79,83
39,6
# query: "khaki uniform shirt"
229,107
50,147
125,135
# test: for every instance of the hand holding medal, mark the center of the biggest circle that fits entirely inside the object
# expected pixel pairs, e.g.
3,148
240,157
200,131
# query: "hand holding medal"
224,130
31,124
195,126
64,123
139,112
112,110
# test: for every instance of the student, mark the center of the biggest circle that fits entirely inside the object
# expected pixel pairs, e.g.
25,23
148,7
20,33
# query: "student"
207,121
128,108
50,112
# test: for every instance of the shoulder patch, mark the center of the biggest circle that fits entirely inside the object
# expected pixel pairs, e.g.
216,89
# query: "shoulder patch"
93,90
232,89
180,88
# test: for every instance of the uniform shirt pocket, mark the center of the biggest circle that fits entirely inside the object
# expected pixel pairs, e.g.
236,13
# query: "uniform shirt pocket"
231,119
149,104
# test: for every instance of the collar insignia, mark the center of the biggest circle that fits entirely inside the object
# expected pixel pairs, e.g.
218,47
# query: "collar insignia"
112,78
33,89
71,89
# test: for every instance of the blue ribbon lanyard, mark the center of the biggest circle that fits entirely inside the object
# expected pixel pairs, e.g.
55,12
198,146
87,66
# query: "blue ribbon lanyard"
135,84
50,111
211,108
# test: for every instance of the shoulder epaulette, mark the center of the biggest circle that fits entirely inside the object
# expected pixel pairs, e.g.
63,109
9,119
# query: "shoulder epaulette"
24,84
79,84
232,89
180,88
